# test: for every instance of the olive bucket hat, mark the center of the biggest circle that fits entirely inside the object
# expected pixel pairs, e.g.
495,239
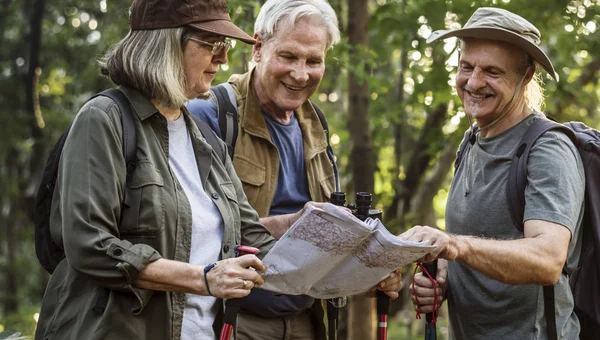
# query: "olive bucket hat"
206,15
499,24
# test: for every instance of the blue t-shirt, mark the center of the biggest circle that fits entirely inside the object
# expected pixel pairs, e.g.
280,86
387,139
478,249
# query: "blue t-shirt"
290,196
292,183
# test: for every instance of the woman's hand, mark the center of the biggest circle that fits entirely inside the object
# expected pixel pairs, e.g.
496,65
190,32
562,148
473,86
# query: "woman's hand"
235,277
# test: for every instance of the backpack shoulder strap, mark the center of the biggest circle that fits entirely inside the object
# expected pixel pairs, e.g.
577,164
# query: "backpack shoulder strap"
515,194
129,133
517,175
211,138
330,153
227,114
469,138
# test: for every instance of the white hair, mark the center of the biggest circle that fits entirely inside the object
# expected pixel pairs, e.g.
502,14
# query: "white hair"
276,12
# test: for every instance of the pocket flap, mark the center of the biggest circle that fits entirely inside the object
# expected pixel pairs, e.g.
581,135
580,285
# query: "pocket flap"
229,191
327,186
249,171
146,174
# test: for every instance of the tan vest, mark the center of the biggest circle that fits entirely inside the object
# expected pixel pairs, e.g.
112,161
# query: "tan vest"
256,159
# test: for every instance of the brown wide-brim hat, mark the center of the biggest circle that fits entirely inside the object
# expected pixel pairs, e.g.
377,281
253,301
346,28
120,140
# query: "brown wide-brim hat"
502,25
206,15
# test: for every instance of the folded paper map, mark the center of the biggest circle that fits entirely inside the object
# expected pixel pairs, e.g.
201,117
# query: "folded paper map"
330,253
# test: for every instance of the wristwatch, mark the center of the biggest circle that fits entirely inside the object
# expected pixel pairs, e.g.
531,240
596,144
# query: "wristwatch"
206,270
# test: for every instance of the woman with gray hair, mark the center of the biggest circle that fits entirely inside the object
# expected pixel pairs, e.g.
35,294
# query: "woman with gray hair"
158,267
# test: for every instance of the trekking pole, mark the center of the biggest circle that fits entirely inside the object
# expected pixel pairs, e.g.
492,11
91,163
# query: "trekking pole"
232,306
363,210
383,309
333,305
430,331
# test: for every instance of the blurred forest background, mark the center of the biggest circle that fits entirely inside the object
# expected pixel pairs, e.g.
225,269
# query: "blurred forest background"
395,120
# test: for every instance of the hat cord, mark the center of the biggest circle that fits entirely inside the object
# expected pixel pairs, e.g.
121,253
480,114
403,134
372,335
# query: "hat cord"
470,159
508,106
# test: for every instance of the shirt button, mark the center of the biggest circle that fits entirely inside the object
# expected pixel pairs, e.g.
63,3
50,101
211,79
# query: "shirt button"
214,195
118,252
226,248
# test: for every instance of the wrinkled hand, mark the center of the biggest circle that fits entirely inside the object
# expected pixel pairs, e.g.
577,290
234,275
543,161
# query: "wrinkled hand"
391,285
444,242
235,277
423,289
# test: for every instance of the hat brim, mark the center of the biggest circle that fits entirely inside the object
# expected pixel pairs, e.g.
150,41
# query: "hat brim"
493,33
224,28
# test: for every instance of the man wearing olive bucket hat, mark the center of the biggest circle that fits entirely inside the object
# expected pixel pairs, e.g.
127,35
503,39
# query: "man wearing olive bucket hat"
490,272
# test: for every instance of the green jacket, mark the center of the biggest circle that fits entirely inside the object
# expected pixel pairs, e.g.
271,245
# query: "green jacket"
256,160
90,295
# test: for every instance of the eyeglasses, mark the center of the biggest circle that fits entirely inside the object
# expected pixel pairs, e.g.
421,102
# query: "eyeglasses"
217,47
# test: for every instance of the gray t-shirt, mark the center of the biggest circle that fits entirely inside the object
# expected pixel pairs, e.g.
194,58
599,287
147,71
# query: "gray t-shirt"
481,307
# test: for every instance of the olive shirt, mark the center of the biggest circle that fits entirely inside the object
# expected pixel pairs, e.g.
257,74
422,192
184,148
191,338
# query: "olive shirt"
479,306
90,295
256,159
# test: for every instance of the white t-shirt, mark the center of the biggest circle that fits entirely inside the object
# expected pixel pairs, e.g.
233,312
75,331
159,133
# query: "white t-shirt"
207,230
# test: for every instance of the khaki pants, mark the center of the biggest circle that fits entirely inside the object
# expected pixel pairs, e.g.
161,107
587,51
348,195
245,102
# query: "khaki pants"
253,327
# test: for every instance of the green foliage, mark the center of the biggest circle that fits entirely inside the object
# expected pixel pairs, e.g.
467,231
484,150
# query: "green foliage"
23,322
408,80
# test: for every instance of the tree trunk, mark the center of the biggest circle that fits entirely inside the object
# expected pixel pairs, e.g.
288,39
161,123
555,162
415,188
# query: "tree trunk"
11,301
423,200
419,162
361,316
35,119
398,123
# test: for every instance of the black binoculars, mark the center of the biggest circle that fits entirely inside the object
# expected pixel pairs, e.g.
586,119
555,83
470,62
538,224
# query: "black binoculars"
362,206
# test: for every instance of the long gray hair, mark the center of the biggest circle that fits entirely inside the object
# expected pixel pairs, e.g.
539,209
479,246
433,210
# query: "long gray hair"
150,61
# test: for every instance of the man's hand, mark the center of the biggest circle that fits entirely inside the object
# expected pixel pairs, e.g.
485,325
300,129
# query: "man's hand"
422,293
446,244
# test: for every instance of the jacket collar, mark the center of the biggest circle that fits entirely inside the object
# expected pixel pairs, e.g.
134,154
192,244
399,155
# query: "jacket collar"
253,121
141,105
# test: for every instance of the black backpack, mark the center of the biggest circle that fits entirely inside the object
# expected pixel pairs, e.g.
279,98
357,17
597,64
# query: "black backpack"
585,279
50,253
227,116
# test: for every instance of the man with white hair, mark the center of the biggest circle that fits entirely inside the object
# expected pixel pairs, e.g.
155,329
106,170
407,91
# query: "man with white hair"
281,150
490,272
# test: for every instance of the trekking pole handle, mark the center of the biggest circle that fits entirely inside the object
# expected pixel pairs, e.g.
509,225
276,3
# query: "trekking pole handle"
245,250
431,268
232,306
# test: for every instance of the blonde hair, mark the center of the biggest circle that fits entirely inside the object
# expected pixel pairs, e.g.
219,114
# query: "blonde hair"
150,61
534,92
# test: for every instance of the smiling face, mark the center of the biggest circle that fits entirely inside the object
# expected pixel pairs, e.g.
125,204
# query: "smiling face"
489,73
290,65
199,64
